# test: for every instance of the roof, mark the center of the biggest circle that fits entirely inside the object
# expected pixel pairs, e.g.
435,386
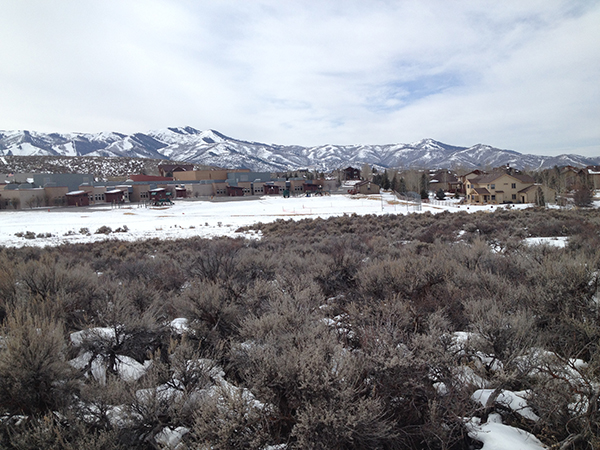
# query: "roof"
490,177
362,183
528,188
76,193
481,191
157,190
149,178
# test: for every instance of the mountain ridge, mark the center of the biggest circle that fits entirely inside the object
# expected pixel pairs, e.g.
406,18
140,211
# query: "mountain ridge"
211,147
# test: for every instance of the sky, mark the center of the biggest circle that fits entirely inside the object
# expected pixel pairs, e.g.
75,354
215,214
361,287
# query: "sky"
514,74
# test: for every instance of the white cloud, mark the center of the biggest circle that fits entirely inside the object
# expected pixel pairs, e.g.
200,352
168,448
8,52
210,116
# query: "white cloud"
520,75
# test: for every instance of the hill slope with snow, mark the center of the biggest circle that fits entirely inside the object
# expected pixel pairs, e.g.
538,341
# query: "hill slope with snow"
209,147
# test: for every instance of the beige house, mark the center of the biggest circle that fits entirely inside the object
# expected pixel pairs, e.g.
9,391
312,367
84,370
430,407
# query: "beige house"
503,187
366,188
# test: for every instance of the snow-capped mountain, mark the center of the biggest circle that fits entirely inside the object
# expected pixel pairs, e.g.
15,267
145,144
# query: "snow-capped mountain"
209,147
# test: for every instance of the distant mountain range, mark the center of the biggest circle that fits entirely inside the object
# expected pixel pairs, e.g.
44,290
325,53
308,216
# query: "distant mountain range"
215,149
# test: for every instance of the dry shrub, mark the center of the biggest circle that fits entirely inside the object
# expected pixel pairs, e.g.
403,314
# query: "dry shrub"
34,376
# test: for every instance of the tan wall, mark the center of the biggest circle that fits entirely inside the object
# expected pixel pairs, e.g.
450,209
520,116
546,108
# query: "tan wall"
204,174
139,192
57,195
549,194
200,190
23,198
369,188
506,189
219,189
595,178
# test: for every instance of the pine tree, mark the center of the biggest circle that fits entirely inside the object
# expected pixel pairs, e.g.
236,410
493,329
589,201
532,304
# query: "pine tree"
402,186
385,181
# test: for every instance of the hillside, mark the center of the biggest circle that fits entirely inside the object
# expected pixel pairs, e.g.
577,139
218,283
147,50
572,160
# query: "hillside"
100,167
212,148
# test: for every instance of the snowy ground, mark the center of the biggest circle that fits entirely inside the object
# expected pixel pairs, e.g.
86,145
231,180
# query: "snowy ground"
189,217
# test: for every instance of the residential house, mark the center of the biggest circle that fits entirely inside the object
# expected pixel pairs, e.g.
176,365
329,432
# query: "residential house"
505,187
351,173
443,179
463,179
593,175
366,187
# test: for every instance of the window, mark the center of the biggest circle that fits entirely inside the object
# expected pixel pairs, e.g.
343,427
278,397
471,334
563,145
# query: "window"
514,196
493,186
513,185
493,198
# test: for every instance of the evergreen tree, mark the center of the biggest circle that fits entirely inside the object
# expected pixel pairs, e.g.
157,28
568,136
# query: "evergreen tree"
394,183
402,186
424,184
385,181
539,197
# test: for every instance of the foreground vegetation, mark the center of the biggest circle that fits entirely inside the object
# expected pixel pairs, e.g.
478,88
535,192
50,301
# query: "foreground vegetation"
325,334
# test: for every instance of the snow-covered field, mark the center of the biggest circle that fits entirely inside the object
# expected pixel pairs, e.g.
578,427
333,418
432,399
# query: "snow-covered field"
189,217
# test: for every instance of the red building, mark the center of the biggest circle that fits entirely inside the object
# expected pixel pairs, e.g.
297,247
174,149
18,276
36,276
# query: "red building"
235,191
78,198
114,196
271,189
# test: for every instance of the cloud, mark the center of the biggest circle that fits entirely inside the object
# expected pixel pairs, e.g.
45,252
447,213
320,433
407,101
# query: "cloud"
520,75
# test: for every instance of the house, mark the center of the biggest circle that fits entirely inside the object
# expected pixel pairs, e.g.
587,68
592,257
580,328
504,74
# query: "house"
366,187
504,187
463,179
593,175
537,192
351,173
443,179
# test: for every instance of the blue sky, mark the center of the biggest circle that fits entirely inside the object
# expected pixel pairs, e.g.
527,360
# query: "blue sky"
520,75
